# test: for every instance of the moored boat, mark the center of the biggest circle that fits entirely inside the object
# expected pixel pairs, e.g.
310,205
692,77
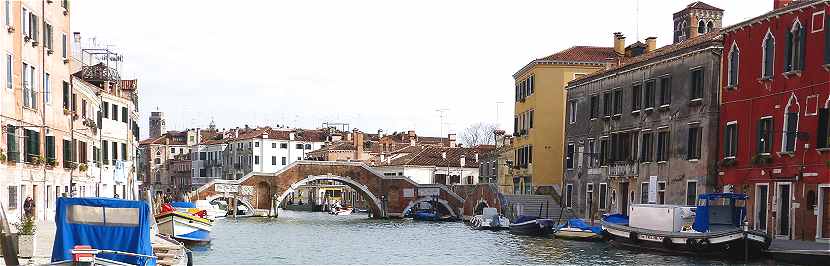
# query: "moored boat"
716,229
182,225
531,226
490,219
213,211
577,229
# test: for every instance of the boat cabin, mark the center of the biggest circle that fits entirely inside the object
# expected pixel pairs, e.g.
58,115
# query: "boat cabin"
720,211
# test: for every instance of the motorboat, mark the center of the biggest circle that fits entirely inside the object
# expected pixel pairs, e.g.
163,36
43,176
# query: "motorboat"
490,219
531,226
213,211
577,229
176,221
712,228
338,210
107,231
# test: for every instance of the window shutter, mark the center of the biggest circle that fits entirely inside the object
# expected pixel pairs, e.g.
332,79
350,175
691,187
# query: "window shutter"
803,49
823,120
826,40
99,119
761,136
788,52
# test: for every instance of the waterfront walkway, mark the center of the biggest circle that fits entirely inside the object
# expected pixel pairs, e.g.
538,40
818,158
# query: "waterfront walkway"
800,252
43,246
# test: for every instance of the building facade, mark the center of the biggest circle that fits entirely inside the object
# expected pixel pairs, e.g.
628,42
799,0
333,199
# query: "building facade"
267,150
434,165
539,114
636,133
774,119
157,169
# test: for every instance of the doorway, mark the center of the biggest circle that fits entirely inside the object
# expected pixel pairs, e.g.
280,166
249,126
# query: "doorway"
761,202
624,198
783,210
823,205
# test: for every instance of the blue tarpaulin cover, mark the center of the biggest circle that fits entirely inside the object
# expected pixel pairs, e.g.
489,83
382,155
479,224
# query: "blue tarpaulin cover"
83,221
616,218
183,204
579,223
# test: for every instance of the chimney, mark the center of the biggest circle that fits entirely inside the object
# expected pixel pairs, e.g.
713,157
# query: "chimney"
444,155
693,28
380,133
412,137
358,145
476,157
651,44
776,4
619,43
451,139
291,136
463,160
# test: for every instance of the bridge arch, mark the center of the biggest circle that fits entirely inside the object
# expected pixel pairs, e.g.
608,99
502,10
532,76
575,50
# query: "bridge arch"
430,199
374,202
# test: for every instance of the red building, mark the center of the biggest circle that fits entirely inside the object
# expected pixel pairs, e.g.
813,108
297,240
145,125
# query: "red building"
774,118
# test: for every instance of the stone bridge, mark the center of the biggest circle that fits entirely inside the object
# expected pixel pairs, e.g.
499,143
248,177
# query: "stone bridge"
386,196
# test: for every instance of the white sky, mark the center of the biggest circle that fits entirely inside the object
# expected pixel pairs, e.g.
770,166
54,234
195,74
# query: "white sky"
374,64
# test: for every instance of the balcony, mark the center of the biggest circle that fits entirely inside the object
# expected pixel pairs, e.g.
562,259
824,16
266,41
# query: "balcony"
623,169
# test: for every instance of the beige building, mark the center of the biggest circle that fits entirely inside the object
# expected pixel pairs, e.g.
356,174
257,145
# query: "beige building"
539,124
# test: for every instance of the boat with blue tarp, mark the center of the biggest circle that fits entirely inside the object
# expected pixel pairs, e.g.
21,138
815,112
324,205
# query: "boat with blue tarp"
715,227
578,229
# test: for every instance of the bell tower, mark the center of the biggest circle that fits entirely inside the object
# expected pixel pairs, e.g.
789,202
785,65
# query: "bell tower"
696,19
157,124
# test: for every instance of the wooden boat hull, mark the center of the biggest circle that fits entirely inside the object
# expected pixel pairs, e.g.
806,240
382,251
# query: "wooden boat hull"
184,227
730,243
538,227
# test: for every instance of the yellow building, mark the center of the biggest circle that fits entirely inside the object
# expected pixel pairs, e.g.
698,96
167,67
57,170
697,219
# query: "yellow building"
539,124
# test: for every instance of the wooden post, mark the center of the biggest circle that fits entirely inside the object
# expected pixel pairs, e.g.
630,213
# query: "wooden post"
234,206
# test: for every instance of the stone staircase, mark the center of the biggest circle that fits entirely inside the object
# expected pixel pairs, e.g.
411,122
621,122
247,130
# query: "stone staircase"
532,205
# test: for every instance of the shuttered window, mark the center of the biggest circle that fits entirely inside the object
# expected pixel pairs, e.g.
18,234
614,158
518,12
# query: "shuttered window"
695,139
730,141
636,97
105,152
50,147
790,132
665,91
651,94
765,135
734,59
769,56
823,127
67,153
12,153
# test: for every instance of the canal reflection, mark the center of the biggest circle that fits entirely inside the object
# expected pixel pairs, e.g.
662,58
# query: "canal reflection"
319,238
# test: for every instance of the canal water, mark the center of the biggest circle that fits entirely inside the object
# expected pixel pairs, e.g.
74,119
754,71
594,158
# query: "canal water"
319,238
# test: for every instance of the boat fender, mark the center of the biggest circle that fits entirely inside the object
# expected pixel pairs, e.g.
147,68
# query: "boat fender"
691,243
704,243
634,237
667,243
189,257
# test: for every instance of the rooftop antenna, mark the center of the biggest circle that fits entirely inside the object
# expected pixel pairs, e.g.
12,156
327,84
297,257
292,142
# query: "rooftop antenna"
637,19
442,113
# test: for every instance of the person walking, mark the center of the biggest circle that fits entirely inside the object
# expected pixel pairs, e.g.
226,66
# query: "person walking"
29,207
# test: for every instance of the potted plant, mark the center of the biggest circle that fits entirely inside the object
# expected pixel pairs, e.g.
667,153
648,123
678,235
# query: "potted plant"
2,155
727,162
26,229
66,111
761,159
51,162
37,160
83,167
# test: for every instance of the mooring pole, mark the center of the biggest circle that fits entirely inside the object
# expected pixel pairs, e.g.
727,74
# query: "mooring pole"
234,206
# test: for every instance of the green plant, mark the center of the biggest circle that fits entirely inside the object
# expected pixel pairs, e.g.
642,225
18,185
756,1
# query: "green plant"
761,159
727,162
2,156
37,160
51,162
26,226
83,167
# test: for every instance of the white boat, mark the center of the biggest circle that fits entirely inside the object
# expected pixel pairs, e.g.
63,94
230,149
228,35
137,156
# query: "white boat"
183,225
490,220
213,211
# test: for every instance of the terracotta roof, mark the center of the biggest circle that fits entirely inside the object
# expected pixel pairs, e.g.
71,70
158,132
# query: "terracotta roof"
584,54
168,138
702,5
794,5
658,53
433,156
299,134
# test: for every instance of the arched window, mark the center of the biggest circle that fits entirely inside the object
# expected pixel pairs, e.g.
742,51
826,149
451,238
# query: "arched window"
768,55
795,48
734,59
683,28
790,134
710,26
701,27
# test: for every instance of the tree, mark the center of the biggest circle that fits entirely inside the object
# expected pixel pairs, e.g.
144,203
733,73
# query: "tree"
478,134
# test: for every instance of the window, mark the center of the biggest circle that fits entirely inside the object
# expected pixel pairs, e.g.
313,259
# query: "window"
12,197
308,146
647,147
114,152
650,94
594,106
732,67
11,143
24,22
284,160
603,196
569,159
606,104
9,71
589,198
67,153
768,56
124,115
661,192
105,152
106,110
665,91
604,152
663,146
83,108
283,145
273,160
7,6
569,189
115,112
765,135
274,145
691,193
31,144
33,30
256,159
701,27
29,94
694,142
730,141
697,84
644,192
50,147
299,146
571,114
826,41
202,156
636,97
47,36
823,133
790,131
256,144
794,60
63,46
593,162
618,96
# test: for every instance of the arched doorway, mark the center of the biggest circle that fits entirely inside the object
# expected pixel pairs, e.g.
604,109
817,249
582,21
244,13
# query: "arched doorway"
263,196
374,203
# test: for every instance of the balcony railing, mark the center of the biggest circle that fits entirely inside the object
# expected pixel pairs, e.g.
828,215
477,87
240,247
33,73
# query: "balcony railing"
623,169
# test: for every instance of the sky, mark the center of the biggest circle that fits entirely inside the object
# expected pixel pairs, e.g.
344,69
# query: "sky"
387,65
